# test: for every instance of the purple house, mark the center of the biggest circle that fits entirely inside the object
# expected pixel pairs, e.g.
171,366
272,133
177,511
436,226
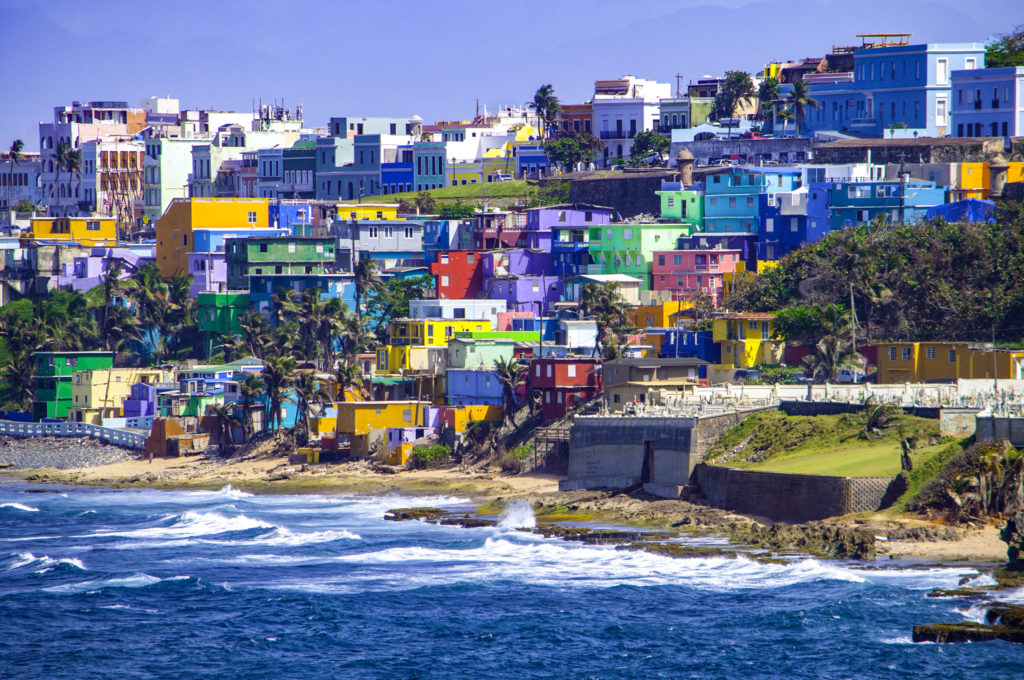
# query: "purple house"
141,401
209,273
516,262
541,222
537,294
87,272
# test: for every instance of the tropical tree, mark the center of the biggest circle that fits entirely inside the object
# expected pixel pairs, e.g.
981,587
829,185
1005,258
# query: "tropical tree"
367,280
250,389
547,107
69,160
309,398
226,422
646,143
767,93
510,373
734,90
392,302
784,115
801,100
148,292
15,155
573,148
1006,49
603,304
278,374
349,378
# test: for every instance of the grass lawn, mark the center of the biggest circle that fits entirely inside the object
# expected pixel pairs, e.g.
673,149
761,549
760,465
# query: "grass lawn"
824,445
468,192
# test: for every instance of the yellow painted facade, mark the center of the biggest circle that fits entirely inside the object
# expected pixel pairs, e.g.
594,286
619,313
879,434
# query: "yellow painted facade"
395,359
359,418
175,229
657,316
463,416
100,393
86,231
746,340
975,178
433,331
352,212
900,362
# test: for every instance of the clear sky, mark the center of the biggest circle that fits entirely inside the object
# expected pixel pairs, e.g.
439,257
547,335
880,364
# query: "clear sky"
432,58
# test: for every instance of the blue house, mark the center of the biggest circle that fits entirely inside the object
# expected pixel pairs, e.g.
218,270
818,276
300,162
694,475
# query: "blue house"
397,176
893,84
473,387
263,286
530,159
988,103
691,344
430,165
788,223
853,203
732,196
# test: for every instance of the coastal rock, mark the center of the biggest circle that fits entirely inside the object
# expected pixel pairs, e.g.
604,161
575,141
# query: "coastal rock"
1013,535
818,539
966,632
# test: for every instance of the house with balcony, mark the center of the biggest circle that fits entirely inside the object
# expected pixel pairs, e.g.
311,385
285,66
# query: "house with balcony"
686,273
504,229
285,255
489,310
988,102
100,393
564,383
629,380
894,87
478,352
564,231
746,340
856,203
622,108
388,242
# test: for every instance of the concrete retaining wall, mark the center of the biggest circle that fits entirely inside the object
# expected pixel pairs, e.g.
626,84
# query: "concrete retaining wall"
131,440
993,429
789,497
778,149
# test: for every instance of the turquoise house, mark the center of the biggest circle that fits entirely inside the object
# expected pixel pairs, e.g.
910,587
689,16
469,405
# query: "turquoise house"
732,196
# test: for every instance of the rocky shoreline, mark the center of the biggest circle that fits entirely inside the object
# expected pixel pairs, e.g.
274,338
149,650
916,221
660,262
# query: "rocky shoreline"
60,453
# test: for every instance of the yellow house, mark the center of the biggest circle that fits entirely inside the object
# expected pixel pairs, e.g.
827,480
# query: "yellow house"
661,315
746,340
465,173
460,417
100,393
901,362
351,212
433,331
394,359
86,231
365,422
175,230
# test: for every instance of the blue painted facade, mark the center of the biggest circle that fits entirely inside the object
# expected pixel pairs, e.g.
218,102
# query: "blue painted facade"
549,325
263,286
853,203
731,199
692,344
988,102
473,386
212,240
530,159
296,218
398,176
902,84
787,223
430,165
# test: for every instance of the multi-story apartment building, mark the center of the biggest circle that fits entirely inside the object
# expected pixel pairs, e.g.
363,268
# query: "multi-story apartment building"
19,181
732,196
175,230
622,108
686,273
988,102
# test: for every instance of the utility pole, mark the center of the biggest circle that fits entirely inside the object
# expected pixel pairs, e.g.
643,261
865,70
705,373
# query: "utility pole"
901,189
679,84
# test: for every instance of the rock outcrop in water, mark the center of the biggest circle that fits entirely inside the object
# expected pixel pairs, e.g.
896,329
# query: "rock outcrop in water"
1013,535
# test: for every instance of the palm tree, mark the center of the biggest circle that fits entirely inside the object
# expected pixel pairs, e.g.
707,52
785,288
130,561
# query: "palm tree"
233,347
256,334
278,372
17,146
830,354
284,305
784,115
350,379
149,294
510,373
548,108
603,304
69,159
309,398
367,280
226,421
250,388
800,99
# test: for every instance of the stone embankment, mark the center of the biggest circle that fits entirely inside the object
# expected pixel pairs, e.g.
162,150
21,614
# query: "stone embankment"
61,453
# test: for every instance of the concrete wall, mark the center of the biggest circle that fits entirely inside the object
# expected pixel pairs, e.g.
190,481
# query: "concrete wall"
930,150
769,148
958,422
608,452
627,192
994,429
789,497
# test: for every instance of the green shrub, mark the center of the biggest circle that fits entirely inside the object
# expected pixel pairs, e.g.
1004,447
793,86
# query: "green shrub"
430,456
521,452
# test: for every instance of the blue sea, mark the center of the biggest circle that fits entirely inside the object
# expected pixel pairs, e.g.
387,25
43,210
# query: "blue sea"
101,583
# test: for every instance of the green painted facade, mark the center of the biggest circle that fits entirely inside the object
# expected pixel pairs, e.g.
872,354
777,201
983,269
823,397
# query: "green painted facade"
290,255
221,313
53,379
685,207
514,336
629,248
478,353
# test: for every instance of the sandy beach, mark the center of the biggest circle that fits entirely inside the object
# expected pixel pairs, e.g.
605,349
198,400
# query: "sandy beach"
896,537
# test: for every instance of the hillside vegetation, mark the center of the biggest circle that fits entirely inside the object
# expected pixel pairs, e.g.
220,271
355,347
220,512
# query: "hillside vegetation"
927,281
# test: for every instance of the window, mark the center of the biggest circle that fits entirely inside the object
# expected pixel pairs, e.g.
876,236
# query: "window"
930,352
627,234
942,72
769,224
291,247
905,353
661,260
677,259
252,217
444,280
732,202
940,111
263,247
892,354
571,370
470,258
549,370
538,370
952,356
750,201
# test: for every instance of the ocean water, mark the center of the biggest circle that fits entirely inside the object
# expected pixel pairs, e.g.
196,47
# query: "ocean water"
99,583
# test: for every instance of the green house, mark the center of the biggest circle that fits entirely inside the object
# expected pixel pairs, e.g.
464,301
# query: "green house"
629,248
478,352
684,207
221,313
290,255
514,336
53,379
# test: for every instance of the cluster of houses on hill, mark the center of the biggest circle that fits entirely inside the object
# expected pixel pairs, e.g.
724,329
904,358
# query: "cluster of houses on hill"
248,204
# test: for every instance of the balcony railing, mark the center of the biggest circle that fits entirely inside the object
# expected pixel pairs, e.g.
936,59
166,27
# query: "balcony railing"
618,134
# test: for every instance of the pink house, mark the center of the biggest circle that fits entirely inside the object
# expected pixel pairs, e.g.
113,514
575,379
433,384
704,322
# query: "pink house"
688,272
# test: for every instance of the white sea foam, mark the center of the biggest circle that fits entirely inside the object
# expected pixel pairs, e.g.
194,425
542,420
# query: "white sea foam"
136,580
282,536
517,515
233,493
900,640
42,563
18,506
30,538
191,524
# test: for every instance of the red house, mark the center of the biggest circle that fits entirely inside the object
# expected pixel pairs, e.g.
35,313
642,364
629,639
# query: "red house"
458,274
688,272
564,383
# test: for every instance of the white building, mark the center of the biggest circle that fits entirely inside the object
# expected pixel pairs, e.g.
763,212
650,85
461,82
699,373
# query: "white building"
624,107
18,182
458,309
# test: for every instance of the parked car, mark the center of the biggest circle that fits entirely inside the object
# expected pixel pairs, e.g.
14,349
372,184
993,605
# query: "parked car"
850,375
